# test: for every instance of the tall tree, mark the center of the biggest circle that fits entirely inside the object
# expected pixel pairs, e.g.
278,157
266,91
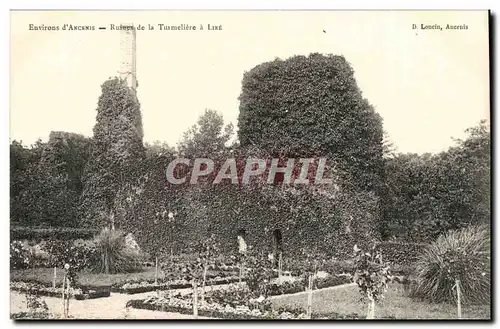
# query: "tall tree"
116,154
59,176
208,137
23,166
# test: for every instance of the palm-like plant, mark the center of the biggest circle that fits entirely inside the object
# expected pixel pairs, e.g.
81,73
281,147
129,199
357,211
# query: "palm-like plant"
116,256
461,256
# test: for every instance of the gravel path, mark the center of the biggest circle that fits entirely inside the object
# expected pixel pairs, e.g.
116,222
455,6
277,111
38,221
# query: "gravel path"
112,307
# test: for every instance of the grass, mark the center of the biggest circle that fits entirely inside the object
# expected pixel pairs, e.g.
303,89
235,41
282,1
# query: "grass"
396,303
45,276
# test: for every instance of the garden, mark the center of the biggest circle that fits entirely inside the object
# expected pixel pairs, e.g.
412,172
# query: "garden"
436,281
392,236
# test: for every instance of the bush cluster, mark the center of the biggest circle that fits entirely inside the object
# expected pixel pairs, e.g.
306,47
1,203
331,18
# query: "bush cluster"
78,254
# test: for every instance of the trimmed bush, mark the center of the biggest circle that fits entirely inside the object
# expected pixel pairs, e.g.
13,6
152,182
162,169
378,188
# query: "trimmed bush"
306,106
458,255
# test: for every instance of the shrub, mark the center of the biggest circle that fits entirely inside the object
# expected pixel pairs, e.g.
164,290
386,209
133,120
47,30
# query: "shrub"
116,256
79,254
19,256
457,255
372,277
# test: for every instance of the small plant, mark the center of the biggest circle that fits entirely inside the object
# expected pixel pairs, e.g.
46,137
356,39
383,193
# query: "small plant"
208,251
37,308
372,276
20,257
126,314
258,274
461,256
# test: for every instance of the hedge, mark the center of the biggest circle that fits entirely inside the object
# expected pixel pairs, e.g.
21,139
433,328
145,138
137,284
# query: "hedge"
58,294
400,253
60,233
169,286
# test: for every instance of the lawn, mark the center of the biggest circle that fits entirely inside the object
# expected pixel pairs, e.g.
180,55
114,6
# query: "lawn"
396,303
45,276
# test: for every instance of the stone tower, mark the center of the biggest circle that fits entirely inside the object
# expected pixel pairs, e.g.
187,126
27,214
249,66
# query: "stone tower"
128,55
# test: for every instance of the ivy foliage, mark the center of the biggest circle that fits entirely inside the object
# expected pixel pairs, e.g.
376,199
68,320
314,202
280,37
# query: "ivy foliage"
116,154
312,106
47,180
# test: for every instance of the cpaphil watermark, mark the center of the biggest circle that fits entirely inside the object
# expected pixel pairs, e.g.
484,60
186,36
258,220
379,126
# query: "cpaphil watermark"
301,171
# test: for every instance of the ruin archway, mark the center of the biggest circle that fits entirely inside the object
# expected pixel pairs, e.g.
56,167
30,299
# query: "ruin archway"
242,244
278,249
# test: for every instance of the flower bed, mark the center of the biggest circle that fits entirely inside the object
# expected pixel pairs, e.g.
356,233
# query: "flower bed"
29,316
215,310
136,288
79,254
78,293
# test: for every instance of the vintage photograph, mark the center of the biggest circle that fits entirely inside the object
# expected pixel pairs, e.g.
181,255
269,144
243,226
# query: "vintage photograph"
270,164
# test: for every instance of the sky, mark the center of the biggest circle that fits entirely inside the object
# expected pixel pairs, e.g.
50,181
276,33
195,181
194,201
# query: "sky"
428,85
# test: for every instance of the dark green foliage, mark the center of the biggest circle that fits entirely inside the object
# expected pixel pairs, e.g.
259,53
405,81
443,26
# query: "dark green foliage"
458,255
312,106
79,254
400,253
59,174
207,138
116,155
428,195
46,180
150,200
157,304
337,215
257,273
23,164
68,153
19,257
331,281
309,107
